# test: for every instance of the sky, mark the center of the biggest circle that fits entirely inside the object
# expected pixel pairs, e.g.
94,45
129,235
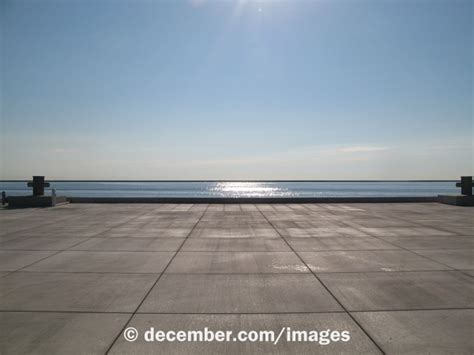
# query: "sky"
198,89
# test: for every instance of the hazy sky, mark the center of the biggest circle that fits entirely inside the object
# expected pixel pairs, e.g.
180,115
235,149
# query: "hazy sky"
236,89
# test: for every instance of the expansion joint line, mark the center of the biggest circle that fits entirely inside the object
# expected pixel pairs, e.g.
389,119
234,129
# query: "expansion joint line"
374,235
76,244
322,283
156,281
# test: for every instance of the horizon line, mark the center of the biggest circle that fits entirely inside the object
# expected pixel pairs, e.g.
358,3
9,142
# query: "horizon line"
237,180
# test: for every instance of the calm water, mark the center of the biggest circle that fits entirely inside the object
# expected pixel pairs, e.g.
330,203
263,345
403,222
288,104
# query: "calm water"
238,189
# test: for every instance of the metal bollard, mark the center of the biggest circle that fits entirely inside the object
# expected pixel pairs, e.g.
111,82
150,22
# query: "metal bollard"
465,185
53,197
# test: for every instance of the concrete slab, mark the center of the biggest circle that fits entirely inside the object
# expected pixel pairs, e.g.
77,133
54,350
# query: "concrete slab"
40,243
146,233
401,290
232,208
371,260
26,291
210,216
57,232
58,333
183,207
234,233
171,223
358,344
238,294
130,244
11,260
338,243
6,238
321,232
236,262
371,221
405,232
424,242
104,261
456,258
234,224
462,228
235,244
305,221
238,238
248,207
421,332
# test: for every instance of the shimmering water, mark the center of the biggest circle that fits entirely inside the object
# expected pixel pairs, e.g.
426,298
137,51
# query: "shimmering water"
240,189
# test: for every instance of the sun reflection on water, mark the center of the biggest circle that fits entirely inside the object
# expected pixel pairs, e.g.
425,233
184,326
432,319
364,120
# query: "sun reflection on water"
249,189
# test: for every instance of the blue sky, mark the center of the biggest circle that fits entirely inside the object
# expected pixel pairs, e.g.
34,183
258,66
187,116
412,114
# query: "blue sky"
198,89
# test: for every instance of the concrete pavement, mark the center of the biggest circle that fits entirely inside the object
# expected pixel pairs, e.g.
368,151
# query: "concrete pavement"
398,277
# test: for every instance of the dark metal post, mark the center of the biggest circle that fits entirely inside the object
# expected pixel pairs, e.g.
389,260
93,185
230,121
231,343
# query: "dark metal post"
4,198
38,185
53,197
466,185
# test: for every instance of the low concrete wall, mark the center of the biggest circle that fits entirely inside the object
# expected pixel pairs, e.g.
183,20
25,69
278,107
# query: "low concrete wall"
456,200
250,199
34,201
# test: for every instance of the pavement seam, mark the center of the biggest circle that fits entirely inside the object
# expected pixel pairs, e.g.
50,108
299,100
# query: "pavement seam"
327,289
427,226
72,246
236,273
411,251
155,283
239,313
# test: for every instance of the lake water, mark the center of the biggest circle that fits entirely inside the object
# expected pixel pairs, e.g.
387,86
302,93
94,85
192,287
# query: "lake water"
239,189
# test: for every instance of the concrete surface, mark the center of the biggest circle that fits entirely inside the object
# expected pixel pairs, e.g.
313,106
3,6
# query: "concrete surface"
398,276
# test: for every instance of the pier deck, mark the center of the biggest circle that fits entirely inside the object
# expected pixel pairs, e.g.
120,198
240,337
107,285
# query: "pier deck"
398,277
